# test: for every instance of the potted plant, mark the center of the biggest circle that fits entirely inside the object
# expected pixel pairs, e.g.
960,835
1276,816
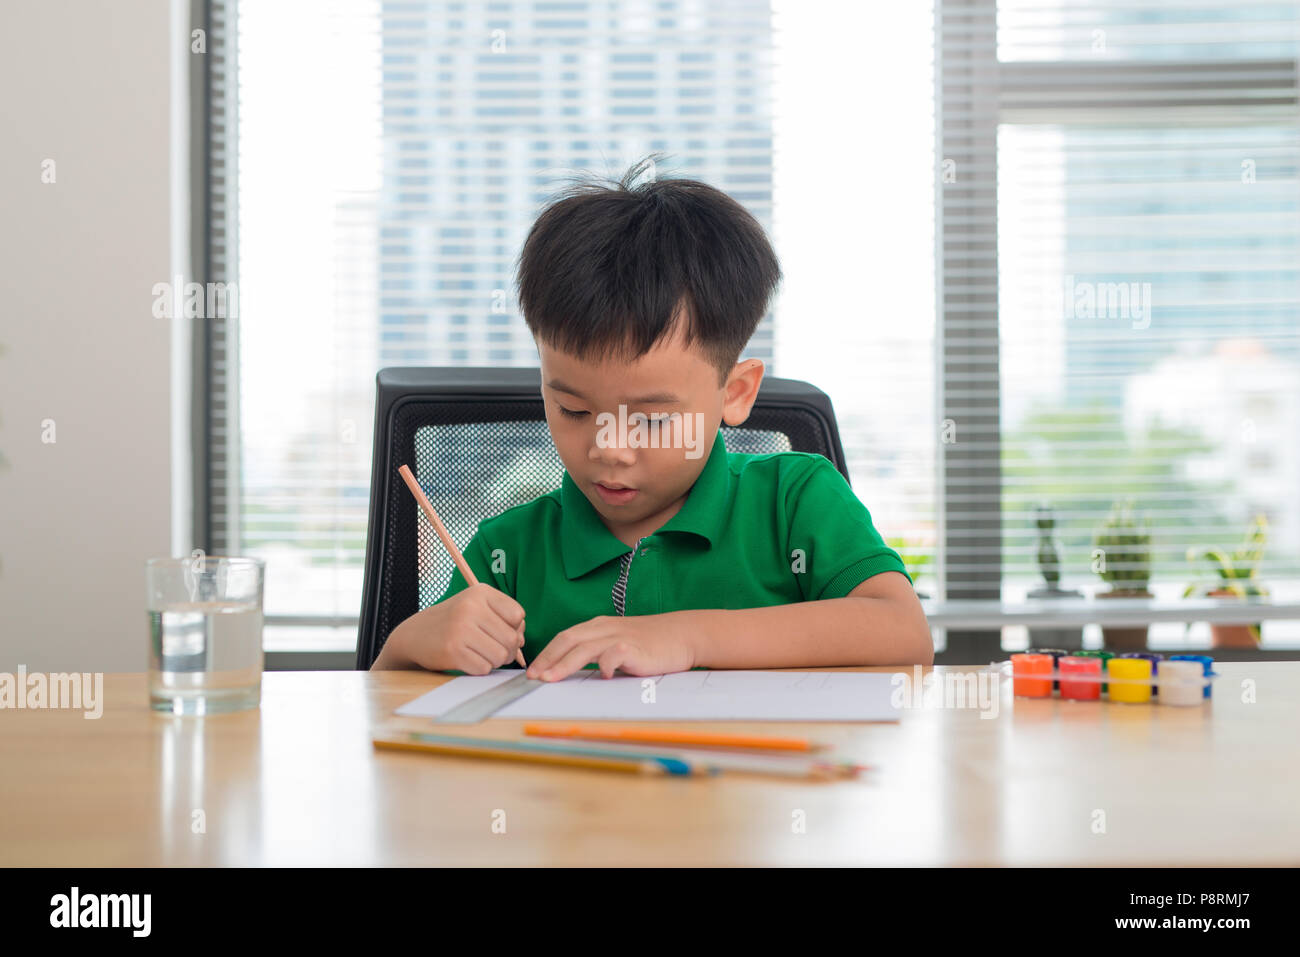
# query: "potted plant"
1067,638
1238,578
914,559
1123,560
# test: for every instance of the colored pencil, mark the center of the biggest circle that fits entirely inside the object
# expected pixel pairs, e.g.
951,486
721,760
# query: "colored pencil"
674,736
705,762
775,764
610,760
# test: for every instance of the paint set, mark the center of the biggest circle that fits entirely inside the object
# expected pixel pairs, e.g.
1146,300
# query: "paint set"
1138,677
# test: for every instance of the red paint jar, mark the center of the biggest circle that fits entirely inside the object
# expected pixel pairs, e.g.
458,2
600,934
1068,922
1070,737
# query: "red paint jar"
1088,669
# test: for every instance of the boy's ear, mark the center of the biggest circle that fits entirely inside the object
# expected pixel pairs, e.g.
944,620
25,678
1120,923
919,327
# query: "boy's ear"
741,391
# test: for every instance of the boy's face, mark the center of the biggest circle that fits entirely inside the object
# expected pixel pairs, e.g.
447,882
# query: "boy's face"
635,486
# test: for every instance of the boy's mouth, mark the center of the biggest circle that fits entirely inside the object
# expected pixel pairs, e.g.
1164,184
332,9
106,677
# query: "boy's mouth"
614,494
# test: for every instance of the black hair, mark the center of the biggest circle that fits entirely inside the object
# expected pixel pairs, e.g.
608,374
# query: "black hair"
606,267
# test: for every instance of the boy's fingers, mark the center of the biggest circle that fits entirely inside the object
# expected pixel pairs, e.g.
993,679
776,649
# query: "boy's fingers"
617,655
553,652
510,610
478,662
501,633
582,654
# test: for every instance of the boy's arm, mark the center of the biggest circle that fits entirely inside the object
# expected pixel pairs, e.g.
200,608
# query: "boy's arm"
880,622
859,608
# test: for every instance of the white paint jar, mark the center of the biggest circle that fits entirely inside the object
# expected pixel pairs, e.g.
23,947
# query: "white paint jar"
1182,683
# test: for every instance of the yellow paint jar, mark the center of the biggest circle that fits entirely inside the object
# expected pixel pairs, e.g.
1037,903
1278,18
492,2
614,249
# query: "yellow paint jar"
1129,679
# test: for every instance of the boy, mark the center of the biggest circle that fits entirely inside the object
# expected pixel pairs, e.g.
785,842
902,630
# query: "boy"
661,551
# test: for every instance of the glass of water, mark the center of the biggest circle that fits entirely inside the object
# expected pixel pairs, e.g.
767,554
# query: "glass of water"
205,633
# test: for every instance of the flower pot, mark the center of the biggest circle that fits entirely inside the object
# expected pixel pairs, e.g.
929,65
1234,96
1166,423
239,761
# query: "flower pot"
1230,636
1120,638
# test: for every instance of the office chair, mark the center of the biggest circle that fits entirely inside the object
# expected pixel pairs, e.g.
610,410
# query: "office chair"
477,441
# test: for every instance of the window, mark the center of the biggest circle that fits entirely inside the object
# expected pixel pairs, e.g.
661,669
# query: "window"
1036,251
390,158
1121,284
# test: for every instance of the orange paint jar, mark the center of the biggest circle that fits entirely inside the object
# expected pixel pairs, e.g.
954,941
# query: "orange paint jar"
1023,667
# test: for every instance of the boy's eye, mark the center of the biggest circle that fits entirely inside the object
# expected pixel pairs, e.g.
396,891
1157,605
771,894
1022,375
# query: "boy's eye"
570,413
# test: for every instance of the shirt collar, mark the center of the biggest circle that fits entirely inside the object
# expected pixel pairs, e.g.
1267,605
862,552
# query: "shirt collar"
585,542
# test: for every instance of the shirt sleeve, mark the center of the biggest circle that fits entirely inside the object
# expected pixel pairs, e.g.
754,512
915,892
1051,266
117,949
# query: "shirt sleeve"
833,546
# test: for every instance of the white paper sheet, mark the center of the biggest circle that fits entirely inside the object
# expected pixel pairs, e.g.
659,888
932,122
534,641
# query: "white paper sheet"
682,696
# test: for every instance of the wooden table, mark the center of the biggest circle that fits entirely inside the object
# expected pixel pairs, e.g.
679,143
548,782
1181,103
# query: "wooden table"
299,783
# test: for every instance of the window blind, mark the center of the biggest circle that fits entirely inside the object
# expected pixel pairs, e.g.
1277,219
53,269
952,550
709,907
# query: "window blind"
219,526
1120,247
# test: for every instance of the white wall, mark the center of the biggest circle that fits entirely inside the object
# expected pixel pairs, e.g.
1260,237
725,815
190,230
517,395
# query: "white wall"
85,84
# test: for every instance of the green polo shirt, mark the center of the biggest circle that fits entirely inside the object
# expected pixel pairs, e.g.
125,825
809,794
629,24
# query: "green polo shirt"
754,531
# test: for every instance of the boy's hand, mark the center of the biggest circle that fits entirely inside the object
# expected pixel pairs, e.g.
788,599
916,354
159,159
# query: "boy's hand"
640,645
475,630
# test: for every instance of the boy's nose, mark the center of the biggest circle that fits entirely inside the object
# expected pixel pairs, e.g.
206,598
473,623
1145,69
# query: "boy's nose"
611,454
